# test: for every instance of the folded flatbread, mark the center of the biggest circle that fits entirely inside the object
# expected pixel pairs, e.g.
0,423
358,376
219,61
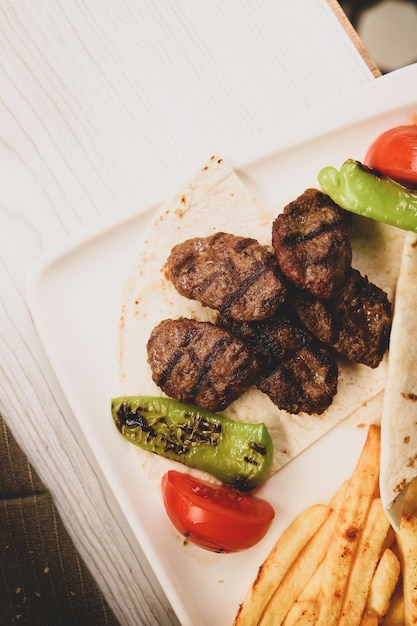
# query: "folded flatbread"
399,414
215,199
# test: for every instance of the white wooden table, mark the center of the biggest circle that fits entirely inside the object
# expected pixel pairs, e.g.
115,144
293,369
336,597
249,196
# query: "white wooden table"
102,102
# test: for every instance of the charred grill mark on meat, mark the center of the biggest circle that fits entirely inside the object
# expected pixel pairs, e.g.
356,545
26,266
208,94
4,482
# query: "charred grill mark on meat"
312,243
356,323
264,339
218,349
187,338
306,383
294,239
249,283
234,275
200,363
296,372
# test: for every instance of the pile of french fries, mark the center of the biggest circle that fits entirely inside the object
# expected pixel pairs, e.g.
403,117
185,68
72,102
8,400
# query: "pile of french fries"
341,564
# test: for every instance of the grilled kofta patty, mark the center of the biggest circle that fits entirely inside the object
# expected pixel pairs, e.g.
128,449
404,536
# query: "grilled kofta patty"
312,243
356,323
235,275
200,363
296,372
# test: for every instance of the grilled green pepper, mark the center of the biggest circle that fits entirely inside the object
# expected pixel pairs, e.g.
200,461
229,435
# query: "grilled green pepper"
236,453
362,190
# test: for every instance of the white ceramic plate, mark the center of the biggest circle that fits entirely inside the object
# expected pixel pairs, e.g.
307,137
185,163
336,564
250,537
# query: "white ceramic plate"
78,288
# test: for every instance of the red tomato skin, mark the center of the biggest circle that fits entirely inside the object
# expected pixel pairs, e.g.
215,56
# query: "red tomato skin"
394,153
217,518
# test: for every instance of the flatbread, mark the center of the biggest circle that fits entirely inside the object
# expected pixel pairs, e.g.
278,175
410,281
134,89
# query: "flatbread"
215,200
399,414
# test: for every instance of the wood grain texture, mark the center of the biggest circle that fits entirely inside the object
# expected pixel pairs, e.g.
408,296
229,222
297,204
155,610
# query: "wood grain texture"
353,35
100,103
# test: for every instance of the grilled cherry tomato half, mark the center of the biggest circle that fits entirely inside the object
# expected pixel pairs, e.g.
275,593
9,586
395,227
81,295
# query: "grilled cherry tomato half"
217,518
394,153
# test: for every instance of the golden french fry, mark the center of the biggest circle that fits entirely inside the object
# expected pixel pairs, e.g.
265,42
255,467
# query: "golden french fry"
362,487
298,574
383,584
369,619
407,546
278,562
302,614
389,540
364,564
312,589
394,547
338,498
303,568
395,615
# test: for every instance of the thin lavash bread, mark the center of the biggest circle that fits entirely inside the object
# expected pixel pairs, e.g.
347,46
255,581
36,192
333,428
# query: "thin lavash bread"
214,200
399,414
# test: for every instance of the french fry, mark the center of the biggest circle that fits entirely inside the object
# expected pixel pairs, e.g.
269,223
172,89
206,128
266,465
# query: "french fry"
369,619
298,575
302,614
303,567
338,498
389,540
312,589
361,490
364,564
395,615
342,565
383,584
407,545
278,562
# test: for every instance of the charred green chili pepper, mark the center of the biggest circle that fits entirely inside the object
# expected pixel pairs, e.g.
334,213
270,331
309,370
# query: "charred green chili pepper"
236,453
362,190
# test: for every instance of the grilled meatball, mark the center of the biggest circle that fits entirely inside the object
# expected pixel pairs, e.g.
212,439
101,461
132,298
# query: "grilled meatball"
296,372
235,275
356,323
200,363
312,243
